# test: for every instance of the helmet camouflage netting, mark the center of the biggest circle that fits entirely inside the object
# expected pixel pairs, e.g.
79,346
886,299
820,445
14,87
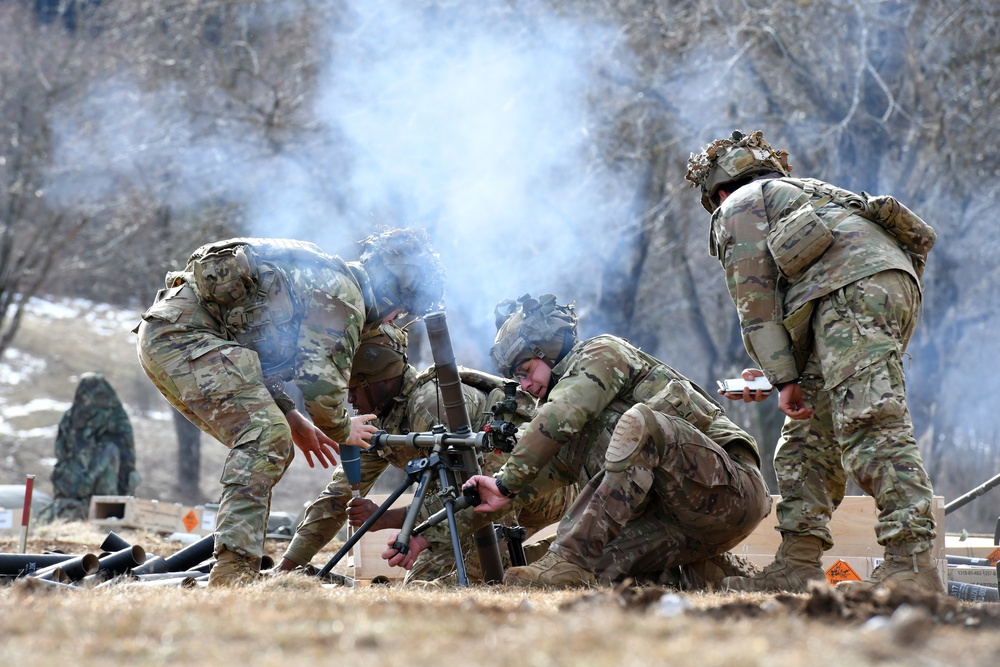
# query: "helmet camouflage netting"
528,328
727,160
405,271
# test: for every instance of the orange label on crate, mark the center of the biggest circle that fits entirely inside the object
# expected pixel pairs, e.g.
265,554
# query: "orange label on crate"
190,521
841,571
994,557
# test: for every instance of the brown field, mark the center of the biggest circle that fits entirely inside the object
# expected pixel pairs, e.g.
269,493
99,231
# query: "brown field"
296,620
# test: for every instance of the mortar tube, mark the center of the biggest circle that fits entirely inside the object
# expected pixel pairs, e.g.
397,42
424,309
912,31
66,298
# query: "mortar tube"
173,582
115,564
450,385
73,569
972,592
191,555
26,564
36,584
152,565
114,542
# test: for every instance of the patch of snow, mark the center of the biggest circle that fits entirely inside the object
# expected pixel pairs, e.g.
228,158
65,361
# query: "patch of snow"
17,367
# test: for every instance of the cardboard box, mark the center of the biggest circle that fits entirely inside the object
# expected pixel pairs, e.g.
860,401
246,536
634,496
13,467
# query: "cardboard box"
366,556
972,574
853,529
131,512
973,546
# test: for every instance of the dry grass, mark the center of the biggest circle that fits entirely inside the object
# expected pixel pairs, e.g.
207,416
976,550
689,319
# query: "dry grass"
295,620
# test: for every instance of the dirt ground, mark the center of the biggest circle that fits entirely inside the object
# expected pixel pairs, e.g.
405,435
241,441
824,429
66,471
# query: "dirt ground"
295,619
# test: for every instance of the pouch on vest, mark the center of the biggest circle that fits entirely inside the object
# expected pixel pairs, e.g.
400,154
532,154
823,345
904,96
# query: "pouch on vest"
225,276
798,240
912,233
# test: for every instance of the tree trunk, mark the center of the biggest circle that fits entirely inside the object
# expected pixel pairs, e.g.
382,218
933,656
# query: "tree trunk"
188,460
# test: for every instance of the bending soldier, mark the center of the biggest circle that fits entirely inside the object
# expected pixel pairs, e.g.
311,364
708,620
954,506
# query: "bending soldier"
405,401
670,481
247,315
828,299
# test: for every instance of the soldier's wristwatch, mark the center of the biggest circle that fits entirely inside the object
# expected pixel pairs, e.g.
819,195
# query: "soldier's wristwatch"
507,493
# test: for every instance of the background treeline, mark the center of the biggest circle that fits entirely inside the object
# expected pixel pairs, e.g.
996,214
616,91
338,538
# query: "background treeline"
132,132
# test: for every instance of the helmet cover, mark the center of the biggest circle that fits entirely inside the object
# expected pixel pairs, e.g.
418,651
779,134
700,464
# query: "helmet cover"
531,328
405,271
734,159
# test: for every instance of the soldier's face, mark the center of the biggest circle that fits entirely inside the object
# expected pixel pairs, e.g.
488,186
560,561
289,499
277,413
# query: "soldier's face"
376,396
534,376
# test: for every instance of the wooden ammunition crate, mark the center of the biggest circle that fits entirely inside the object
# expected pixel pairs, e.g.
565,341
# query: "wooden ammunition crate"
853,529
131,512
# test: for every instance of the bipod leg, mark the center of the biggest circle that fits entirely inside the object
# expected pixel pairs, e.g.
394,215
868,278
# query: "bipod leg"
359,533
514,535
449,491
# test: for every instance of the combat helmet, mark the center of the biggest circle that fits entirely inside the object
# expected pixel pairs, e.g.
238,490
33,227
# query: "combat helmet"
737,158
404,271
381,355
528,328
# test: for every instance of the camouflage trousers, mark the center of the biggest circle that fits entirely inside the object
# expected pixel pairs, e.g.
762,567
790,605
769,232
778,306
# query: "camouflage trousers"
861,426
219,386
678,498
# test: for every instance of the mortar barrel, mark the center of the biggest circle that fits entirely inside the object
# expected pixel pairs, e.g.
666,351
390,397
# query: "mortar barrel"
18,564
191,555
73,569
114,542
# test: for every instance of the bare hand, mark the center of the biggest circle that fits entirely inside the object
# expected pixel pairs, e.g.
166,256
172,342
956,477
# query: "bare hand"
417,544
790,402
312,441
490,497
361,431
746,395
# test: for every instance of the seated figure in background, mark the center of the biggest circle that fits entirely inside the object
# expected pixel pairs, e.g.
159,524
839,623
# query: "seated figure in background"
95,451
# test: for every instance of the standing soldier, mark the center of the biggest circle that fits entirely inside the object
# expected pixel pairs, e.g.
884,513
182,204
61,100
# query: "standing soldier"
826,284
405,401
676,484
247,315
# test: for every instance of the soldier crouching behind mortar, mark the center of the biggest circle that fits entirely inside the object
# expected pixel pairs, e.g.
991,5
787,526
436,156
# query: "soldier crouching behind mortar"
247,315
407,401
670,481
827,286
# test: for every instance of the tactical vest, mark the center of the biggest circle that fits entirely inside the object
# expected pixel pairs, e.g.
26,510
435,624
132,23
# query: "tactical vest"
244,281
913,235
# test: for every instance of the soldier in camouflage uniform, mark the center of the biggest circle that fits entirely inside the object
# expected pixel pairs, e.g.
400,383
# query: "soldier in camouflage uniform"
828,300
248,315
676,482
405,401
95,451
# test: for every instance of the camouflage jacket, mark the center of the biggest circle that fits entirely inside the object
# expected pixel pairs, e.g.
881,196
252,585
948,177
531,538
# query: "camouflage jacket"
774,308
300,309
593,386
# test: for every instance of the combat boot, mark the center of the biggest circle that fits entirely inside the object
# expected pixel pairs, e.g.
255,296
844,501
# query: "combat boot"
798,561
916,570
232,569
536,550
709,573
549,571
